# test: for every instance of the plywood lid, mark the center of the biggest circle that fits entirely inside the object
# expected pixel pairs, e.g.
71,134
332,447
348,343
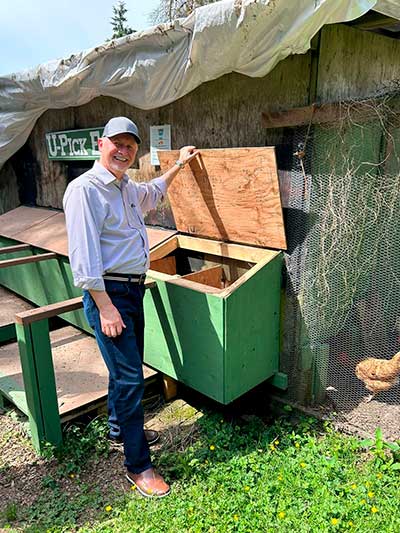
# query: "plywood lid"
228,194
45,228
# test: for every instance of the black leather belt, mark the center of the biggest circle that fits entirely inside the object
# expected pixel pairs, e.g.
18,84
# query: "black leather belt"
126,278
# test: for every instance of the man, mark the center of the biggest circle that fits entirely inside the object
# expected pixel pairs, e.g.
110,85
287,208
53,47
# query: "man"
109,256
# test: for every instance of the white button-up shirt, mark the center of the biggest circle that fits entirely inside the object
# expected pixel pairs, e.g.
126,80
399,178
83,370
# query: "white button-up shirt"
106,230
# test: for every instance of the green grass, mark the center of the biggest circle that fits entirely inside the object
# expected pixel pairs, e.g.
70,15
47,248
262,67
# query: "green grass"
295,475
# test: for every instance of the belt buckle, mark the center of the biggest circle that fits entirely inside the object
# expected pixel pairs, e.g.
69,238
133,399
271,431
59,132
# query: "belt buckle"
142,278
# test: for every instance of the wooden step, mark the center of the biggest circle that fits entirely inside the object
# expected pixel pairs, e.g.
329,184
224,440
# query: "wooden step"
81,375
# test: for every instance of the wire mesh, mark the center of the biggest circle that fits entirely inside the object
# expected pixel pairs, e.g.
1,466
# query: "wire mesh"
340,186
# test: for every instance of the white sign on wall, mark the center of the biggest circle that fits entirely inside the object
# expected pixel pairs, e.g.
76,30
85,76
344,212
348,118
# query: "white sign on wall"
160,139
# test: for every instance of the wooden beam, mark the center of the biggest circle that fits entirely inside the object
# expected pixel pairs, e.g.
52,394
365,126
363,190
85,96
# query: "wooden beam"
224,249
316,114
163,249
58,308
15,248
47,311
27,259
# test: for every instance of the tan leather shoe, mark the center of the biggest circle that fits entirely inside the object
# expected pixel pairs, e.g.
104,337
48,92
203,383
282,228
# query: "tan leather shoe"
149,483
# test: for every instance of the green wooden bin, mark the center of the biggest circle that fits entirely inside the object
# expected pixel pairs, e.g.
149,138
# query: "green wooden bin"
212,322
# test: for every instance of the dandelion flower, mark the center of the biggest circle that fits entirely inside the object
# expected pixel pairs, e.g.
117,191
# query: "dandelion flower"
354,486
280,477
374,509
276,442
281,515
334,521
272,447
371,494
247,488
351,523
379,475
367,484
133,487
72,476
363,502
297,445
108,508
235,517
212,447
303,465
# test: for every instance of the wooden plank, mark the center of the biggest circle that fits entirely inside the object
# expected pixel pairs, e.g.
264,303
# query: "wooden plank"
317,114
211,276
45,228
58,308
166,265
223,249
156,236
22,218
15,248
229,194
47,311
27,259
50,234
164,249
195,286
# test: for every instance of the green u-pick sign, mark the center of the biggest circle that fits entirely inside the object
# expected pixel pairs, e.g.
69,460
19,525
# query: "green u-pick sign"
73,144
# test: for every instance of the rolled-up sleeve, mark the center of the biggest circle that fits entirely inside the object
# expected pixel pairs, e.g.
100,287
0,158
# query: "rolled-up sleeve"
151,193
84,219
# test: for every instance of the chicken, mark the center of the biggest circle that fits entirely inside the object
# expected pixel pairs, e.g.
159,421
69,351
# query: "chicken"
379,374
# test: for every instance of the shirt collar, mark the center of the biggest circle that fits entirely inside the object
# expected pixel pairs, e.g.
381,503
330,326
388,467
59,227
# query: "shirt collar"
105,176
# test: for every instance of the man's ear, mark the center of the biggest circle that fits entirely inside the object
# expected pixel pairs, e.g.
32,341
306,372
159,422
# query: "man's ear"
100,143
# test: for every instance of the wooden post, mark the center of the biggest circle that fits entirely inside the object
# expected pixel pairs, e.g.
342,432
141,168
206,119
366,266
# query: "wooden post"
170,388
31,385
46,380
39,383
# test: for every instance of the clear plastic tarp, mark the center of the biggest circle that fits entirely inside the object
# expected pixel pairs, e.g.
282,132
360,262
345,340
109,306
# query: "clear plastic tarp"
154,67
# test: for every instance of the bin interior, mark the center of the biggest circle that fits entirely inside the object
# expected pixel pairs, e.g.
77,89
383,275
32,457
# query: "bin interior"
204,268
209,263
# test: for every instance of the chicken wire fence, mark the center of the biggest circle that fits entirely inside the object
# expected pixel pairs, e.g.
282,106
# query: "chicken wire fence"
340,185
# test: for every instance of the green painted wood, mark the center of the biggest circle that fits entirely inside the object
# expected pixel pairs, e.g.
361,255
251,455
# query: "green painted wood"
252,316
184,337
279,380
46,381
43,283
31,385
13,392
7,333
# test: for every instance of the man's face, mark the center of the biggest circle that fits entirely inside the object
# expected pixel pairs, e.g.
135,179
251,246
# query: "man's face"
117,153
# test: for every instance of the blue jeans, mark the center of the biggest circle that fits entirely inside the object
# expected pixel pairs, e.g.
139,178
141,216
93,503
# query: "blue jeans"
123,356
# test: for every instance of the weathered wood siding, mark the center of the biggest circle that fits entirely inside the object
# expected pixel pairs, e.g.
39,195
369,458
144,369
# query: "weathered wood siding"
8,189
355,64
